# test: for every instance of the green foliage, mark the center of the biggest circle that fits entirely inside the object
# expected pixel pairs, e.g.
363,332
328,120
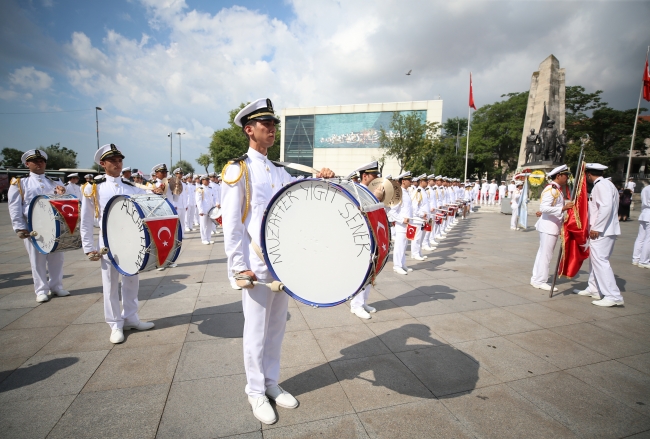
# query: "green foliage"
455,125
204,160
495,135
408,142
184,165
229,143
11,158
59,157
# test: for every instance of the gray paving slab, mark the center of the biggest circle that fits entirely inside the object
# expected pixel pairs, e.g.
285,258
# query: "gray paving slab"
168,330
161,308
301,348
344,427
501,321
9,315
405,335
8,365
541,315
295,320
218,304
57,312
26,342
33,418
211,326
455,328
79,338
347,342
605,342
210,358
124,413
24,299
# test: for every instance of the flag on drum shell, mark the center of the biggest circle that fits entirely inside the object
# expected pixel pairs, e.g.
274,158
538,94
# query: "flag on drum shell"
69,211
411,230
427,227
163,233
379,224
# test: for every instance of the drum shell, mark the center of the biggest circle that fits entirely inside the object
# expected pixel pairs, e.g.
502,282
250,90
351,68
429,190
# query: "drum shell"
63,239
215,215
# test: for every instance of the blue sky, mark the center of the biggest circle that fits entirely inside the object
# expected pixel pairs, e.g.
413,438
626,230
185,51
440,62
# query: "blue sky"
156,66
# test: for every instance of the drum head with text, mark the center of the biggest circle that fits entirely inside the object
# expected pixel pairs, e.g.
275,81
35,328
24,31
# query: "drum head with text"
42,220
317,242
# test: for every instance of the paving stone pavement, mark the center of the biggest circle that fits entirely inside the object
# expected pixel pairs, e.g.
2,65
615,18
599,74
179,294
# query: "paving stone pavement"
461,347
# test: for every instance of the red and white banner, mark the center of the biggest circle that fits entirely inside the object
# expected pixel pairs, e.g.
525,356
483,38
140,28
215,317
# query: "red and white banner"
471,93
411,230
69,211
646,81
163,234
379,223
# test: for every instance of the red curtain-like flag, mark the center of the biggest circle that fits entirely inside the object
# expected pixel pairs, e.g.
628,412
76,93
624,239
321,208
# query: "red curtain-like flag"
575,231
163,234
471,93
69,211
646,81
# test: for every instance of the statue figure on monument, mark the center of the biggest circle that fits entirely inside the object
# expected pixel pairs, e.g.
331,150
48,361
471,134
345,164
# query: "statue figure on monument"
548,136
561,148
532,147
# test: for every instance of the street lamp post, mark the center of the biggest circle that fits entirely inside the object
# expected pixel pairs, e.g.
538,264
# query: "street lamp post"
170,150
180,151
97,123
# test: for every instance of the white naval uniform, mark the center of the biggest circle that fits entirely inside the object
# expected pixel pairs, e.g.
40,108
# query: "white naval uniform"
397,214
484,193
203,200
548,226
216,195
439,201
502,192
73,189
31,186
641,252
427,235
603,217
511,190
265,312
107,188
420,204
492,192
180,204
514,206
477,190
362,296
188,192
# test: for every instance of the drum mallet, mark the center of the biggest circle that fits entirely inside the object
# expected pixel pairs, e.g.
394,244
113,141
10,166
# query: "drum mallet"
33,233
97,255
246,281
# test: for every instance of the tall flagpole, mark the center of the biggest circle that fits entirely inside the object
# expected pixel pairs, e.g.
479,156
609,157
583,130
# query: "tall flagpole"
469,116
636,119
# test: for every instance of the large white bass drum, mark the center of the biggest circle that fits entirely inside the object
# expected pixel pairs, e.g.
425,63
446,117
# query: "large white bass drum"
53,223
324,240
141,232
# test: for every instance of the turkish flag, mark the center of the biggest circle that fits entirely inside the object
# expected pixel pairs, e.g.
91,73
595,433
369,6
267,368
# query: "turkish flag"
427,227
646,81
379,223
411,230
471,93
69,210
575,231
439,219
163,232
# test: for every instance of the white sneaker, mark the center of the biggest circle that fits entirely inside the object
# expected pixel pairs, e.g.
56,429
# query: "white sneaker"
586,293
607,302
408,270
369,309
211,242
262,409
60,293
174,265
42,298
360,312
545,287
429,249
117,336
433,244
218,232
644,265
160,268
205,242
399,270
417,258
140,326
635,262
282,397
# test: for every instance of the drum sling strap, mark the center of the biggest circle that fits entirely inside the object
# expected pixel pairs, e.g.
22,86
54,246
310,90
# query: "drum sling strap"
16,181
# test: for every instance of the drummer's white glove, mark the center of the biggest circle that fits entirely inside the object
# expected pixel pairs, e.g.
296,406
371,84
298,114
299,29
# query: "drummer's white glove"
96,256
245,279
22,234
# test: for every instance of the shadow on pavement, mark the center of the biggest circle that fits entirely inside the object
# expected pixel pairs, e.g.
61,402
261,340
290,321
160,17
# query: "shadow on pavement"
27,376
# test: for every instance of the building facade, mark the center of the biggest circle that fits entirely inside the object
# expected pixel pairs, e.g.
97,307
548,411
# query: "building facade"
344,137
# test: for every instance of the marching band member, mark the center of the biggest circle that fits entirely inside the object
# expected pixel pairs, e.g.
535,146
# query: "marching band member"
641,253
179,196
204,202
249,183
552,205
197,183
484,192
492,191
603,229
511,188
358,305
502,190
22,191
514,205
216,196
188,191
430,243
126,173
420,207
399,215
95,199
71,187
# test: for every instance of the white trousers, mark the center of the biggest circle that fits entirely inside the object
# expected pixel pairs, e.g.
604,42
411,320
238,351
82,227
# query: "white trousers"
416,243
399,247
483,197
515,215
181,216
196,216
206,227
601,275
42,265
492,197
543,260
115,315
361,298
265,314
642,244
189,216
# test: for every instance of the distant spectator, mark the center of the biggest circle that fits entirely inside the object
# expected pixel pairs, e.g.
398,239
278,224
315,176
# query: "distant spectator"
630,184
624,205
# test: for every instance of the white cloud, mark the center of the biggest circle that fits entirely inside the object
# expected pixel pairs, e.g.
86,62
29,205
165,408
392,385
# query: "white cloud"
31,79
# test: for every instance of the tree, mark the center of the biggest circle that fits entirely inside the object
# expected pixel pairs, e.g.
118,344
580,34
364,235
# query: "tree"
231,142
59,157
204,160
407,141
11,158
184,165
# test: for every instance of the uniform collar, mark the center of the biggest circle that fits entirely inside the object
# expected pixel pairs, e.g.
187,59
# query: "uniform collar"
256,155
31,174
598,179
113,179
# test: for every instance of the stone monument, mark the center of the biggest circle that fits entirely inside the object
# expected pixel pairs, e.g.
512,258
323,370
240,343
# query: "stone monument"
545,112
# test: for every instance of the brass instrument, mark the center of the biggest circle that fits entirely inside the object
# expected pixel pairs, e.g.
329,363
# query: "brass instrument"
175,185
389,190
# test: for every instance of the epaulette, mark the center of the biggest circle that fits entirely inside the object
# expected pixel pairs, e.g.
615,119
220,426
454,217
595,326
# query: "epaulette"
239,159
16,180
127,182
277,165
100,180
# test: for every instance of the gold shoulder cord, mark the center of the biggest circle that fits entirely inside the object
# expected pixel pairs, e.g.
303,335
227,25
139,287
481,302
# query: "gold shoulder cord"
95,196
243,171
16,181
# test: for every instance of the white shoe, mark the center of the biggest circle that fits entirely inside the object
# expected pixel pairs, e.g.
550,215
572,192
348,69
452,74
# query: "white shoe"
586,293
60,293
205,242
399,270
117,336
408,270
218,232
262,410
360,312
545,287
140,326
513,228
234,286
42,298
433,244
427,248
607,302
174,265
644,265
369,309
211,242
635,262
188,230
282,397
417,258
160,268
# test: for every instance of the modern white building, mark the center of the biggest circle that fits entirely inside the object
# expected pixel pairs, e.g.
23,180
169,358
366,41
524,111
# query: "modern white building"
344,137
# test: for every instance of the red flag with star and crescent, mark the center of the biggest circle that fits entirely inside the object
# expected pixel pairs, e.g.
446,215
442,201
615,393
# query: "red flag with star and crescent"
379,224
575,231
69,211
163,233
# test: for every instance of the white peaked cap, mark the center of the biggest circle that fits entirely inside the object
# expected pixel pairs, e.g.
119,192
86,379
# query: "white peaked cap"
595,166
557,170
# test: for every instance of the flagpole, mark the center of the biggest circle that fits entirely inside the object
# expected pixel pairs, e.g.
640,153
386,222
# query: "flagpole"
469,117
636,119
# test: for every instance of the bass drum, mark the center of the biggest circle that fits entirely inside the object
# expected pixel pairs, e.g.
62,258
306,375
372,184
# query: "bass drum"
141,232
324,240
53,222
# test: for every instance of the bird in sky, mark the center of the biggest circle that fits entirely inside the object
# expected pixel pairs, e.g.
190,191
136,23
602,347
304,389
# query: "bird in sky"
409,73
